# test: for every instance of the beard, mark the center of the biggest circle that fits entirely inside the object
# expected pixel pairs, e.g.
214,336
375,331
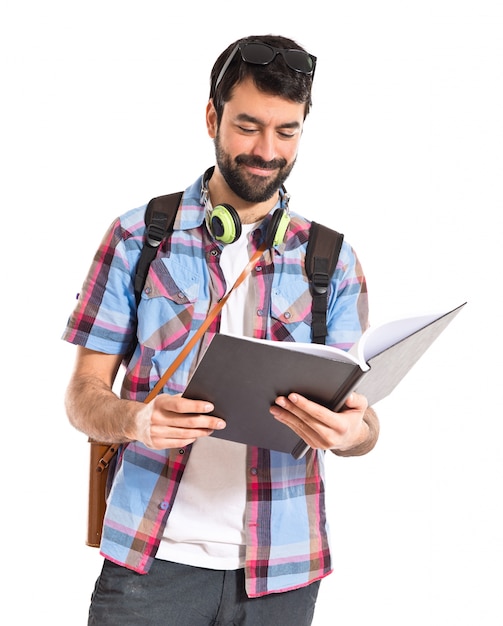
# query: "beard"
251,187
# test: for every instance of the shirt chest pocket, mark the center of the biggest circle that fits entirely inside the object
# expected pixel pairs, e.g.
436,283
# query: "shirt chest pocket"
167,305
291,307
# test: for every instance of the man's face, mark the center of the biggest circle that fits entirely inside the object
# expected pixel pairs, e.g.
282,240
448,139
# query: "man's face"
256,142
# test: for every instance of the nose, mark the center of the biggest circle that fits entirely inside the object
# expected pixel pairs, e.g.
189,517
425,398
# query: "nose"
265,146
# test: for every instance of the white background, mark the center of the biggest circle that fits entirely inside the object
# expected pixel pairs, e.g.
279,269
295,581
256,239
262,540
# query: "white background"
103,107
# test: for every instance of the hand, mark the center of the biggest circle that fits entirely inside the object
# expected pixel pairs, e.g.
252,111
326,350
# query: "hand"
320,427
172,421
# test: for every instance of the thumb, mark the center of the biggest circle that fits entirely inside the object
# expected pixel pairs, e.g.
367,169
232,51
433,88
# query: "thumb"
356,401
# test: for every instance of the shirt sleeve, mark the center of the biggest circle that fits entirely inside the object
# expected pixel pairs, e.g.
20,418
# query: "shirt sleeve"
348,311
104,318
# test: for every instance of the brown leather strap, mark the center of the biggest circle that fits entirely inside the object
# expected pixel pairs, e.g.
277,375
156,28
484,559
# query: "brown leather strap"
102,454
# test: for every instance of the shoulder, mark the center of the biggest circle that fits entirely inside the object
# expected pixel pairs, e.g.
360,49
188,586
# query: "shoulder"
301,229
127,227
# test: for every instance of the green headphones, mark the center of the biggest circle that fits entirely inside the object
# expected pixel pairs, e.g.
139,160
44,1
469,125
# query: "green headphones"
225,225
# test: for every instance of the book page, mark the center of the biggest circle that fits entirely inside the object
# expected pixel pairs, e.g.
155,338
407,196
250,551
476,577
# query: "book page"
377,339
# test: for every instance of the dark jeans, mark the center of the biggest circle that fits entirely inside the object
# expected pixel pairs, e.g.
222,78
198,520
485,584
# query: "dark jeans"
181,595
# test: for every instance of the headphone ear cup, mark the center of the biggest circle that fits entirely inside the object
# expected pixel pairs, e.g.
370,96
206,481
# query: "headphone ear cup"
225,223
277,228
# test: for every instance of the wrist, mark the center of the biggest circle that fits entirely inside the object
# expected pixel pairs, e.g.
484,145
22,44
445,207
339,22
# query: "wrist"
371,422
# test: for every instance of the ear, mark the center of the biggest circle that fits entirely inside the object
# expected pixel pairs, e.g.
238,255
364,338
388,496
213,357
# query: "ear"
211,119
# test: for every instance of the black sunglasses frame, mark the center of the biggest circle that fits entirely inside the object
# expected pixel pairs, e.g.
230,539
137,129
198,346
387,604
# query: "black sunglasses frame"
275,51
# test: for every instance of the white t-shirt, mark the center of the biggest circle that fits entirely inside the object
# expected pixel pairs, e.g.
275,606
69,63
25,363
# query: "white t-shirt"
206,525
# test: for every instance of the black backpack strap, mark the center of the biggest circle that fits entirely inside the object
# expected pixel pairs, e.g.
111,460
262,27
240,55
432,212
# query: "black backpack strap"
323,250
159,219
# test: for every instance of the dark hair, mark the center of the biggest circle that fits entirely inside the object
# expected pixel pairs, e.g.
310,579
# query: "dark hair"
275,78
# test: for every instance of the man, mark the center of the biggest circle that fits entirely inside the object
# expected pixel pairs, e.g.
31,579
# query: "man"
199,530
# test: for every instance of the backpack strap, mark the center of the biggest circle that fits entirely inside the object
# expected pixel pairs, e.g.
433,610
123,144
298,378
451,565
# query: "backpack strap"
159,219
323,250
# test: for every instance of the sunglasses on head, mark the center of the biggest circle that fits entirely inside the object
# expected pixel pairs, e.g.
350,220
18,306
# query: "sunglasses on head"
260,53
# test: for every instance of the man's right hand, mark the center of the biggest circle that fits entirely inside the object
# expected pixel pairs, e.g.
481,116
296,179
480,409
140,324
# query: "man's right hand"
174,422
165,422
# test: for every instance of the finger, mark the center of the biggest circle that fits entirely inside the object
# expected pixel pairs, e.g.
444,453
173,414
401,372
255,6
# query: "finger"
178,404
315,424
356,401
187,421
306,410
170,435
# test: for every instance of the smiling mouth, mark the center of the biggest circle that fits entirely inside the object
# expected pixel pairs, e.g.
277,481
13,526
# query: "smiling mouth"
260,171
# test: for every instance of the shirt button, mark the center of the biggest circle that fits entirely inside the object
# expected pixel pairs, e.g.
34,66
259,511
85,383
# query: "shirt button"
253,471
181,451
287,315
148,290
258,268
260,312
164,506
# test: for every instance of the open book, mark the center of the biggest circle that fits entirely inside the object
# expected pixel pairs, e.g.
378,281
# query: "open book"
243,376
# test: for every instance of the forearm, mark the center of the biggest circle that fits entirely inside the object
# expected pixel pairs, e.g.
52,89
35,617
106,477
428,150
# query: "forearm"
94,409
372,421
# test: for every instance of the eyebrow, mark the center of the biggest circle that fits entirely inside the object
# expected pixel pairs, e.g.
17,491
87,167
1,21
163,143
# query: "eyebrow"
244,117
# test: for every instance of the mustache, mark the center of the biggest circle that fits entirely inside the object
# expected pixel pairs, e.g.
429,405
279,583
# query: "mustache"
256,161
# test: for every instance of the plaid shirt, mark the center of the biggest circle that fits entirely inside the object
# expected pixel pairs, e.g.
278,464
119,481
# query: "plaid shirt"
286,527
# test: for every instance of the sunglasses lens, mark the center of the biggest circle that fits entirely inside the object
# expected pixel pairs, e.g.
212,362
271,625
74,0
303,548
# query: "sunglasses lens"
299,61
257,53
262,54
